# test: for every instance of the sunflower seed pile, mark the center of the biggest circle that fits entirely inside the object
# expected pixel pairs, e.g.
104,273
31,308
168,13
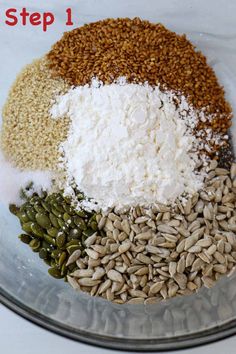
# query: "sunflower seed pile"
151,254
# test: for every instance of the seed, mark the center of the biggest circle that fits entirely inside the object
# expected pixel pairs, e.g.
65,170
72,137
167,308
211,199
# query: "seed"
156,287
92,262
115,276
190,241
220,268
56,273
195,249
54,220
117,225
151,300
167,229
90,240
124,247
153,249
233,171
52,231
91,253
206,242
82,273
136,301
189,259
220,246
180,246
80,223
35,244
116,287
167,245
184,232
174,223
192,217
144,236
25,238
191,286
99,249
207,213
60,239
213,165
31,214
109,295
74,234
27,227
221,171
73,258
98,274
208,282
142,271
114,256
126,227
181,280
172,289
194,226
62,259
104,286
43,220
218,256
204,257
211,250
37,230
141,219
137,293
73,282
88,282
170,238
197,264
187,207
102,223
133,269
143,259
181,265
199,206
114,247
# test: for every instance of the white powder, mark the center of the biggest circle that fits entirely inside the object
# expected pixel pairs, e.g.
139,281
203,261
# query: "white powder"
13,179
128,144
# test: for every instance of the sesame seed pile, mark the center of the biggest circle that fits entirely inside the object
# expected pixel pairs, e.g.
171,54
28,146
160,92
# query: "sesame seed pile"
141,52
29,137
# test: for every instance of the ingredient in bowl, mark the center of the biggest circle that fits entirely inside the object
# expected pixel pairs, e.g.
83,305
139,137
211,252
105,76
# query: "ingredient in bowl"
145,123
12,180
128,144
29,137
151,254
142,52
55,230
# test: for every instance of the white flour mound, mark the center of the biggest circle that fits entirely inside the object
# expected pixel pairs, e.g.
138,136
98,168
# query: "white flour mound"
128,144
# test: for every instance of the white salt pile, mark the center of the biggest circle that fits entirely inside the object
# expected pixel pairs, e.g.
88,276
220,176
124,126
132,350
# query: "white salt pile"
12,180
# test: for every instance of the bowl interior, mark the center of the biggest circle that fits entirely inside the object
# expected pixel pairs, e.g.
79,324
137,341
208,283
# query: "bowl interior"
24,283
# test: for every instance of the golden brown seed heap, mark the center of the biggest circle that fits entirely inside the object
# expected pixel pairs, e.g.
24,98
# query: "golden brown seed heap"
140,51
30,137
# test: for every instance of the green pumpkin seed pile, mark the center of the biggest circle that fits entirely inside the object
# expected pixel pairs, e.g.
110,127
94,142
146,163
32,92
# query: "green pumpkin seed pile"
55,229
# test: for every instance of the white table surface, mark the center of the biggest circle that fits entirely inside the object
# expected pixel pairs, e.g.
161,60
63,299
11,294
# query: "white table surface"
18,336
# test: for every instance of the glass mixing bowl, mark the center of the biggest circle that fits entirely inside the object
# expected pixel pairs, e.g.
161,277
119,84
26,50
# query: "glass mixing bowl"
25,286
